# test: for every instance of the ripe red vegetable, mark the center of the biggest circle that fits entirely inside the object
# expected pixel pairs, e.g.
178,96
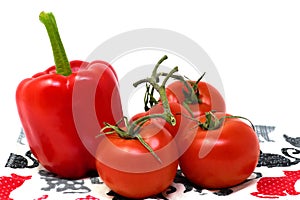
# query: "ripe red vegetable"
49,103
129,169
201,96
224,151
140,159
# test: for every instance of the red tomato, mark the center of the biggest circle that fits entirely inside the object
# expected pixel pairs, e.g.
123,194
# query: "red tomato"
220,158
129,169
210,98
179,112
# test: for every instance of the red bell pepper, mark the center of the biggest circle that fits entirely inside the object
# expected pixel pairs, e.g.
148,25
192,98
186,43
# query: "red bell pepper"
63,108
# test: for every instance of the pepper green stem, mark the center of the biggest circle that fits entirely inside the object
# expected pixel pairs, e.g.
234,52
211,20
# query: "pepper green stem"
60,58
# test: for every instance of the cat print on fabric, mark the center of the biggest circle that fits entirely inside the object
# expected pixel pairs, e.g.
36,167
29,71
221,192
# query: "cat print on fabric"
10,183
62,185
16,161
274,187
88,197
293,141
42,197
263,132
275,160
22,138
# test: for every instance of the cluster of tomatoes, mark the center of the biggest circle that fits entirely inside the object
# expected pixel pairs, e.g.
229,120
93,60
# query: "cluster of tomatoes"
187,128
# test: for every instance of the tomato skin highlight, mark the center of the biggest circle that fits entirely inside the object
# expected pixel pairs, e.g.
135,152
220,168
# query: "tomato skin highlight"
220,158
210,97
129,169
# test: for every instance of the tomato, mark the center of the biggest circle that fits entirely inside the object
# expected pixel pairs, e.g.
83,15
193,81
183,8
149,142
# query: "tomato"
179,112
209,98
129,169
219,158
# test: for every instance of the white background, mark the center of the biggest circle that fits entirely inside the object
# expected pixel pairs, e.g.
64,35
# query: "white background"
255,46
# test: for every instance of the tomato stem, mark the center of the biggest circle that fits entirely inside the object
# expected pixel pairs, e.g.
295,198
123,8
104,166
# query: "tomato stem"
213,122
126,135
60,58
149,97
240,117
148,147
154,72
153,81
114,129
194,95
191,91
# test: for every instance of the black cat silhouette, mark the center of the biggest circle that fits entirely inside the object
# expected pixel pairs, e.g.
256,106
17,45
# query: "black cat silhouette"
275,160
18,161
293,141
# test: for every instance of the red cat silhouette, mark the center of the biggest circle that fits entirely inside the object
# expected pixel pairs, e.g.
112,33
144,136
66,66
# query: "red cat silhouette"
274,187
8,184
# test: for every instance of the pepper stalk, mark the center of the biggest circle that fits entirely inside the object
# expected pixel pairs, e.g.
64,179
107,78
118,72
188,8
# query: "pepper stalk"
60,57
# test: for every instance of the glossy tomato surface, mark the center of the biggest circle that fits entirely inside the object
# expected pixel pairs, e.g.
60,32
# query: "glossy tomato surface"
210,98
128,168
220,158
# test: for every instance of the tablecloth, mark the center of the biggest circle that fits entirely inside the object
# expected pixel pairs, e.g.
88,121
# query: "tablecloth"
277,175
